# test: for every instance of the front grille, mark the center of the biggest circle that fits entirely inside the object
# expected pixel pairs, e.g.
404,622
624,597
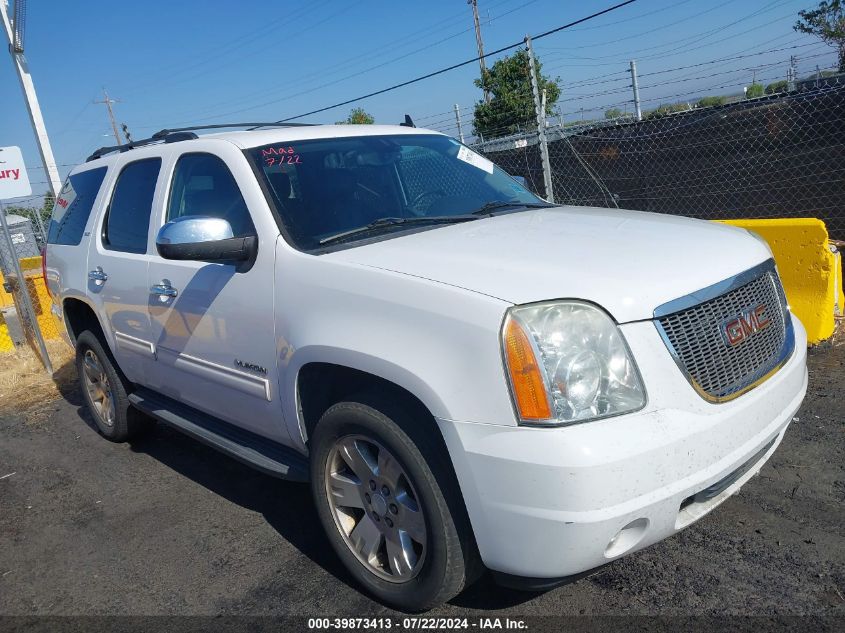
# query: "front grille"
696,334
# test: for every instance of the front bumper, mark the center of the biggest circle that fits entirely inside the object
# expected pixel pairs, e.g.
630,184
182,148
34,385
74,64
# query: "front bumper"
549,503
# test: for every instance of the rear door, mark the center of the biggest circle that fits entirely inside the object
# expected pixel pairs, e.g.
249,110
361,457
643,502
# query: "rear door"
214,339
118,259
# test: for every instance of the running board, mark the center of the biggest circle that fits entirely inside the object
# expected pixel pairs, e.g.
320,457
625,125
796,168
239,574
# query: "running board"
253,450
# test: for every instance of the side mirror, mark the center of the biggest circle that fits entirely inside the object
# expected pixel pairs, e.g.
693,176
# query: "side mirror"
203,239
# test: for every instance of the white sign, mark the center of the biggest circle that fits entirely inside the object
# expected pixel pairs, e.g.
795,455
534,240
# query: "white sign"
476,160
14,183
18,238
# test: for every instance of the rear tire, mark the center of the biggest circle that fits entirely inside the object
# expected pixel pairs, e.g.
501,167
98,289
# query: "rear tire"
105,389
390,504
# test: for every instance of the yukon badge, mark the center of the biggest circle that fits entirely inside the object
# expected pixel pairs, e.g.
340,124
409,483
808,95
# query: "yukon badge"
751,321
250,366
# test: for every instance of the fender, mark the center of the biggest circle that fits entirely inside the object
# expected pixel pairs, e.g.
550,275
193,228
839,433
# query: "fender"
374,365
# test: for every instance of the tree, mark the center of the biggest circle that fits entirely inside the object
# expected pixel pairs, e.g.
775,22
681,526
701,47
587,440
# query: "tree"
358,116
707,102
667,108
511,105
613,113
755,90
827,21
777,86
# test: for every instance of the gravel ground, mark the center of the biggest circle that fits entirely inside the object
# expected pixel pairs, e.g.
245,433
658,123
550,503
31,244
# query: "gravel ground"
165,525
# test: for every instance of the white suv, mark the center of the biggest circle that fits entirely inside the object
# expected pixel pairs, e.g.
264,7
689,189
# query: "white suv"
469,377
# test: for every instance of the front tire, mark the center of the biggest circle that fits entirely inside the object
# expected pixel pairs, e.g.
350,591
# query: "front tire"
389,504
104,390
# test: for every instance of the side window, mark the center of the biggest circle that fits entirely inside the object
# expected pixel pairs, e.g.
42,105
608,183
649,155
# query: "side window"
128,218
204,186
73,206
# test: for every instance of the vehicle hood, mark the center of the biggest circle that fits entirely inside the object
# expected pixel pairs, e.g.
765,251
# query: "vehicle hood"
628,262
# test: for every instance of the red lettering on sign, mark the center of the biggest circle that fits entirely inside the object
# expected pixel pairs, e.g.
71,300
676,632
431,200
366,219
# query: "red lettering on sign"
62,203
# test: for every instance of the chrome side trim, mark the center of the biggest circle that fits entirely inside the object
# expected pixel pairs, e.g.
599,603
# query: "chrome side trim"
716,290
711,292
232,378
131,344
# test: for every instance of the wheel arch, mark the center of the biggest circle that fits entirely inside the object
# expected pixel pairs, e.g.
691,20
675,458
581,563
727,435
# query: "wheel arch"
321,383
79,315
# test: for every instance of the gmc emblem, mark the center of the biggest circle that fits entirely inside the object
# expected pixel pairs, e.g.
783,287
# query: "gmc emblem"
747,324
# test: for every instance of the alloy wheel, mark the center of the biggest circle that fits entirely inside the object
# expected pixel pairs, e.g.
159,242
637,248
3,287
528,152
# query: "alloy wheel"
376,508
98,387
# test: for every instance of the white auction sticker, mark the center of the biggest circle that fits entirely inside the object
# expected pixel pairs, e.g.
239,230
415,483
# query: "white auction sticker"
18,238
14,182
476,160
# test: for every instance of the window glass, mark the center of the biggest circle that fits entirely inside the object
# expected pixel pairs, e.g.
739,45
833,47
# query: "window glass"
128,219
330,186
73,206
204,186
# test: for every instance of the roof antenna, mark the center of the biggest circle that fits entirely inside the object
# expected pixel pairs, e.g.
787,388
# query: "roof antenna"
408,121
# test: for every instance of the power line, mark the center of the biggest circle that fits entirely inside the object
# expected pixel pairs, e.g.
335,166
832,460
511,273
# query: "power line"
461,64
289,96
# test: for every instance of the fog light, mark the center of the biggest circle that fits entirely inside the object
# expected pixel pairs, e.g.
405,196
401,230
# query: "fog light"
626,538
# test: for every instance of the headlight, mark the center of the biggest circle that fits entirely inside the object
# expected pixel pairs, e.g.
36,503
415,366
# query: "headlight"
567,362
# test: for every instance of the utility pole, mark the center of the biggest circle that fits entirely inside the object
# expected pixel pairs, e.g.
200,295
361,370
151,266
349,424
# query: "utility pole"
32,106
635,84
480,43
541,122
791,73
108,103
458,119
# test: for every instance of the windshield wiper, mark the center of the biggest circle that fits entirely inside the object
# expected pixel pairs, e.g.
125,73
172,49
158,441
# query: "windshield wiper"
392,221
508,204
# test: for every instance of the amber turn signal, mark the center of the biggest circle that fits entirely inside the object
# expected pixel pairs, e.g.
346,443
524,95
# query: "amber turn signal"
529,391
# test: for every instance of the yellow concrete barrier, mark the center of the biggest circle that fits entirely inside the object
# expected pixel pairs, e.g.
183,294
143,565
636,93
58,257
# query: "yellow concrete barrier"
41,303
809,268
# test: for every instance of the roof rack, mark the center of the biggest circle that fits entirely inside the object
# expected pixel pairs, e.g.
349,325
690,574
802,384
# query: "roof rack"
182,134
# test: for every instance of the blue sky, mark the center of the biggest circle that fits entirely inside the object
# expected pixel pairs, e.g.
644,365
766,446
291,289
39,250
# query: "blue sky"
181,63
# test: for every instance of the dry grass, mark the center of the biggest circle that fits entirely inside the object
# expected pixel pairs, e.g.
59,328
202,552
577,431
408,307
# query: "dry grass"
25,386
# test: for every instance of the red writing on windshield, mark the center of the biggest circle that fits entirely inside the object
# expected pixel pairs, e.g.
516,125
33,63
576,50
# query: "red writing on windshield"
289,159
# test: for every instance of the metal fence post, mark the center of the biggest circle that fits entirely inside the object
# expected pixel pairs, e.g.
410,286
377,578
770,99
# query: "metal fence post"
23,294
541,123
636,86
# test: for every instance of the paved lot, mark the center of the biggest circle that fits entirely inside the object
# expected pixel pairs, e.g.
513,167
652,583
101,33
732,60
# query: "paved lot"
168,526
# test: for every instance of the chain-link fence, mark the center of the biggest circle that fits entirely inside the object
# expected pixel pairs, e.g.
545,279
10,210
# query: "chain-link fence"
774,156
25,314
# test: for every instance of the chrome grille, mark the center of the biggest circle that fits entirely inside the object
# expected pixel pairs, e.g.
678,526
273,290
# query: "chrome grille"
695,334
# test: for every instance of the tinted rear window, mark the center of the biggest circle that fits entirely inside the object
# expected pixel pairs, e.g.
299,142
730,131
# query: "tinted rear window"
128,218
73,206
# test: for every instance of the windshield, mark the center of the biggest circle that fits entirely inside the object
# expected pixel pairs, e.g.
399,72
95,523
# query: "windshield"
380,185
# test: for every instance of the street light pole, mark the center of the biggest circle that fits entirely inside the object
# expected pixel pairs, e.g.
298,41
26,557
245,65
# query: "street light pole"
34,109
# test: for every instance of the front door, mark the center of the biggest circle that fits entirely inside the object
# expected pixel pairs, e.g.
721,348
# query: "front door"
212,323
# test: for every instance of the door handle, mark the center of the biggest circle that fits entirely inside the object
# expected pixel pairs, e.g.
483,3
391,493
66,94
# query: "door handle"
98,276
164,289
